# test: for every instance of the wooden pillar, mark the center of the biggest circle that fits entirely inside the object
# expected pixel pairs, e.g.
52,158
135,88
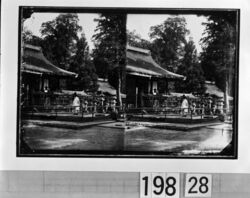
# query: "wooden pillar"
151,89
166,80
136,92
149,85
136,97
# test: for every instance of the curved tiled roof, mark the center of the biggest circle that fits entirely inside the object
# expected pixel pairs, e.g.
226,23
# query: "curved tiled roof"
106,88
140,62
35,62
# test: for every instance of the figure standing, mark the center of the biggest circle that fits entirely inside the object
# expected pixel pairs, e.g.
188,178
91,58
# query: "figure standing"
47,98
194,107
76,104
210,105
184,105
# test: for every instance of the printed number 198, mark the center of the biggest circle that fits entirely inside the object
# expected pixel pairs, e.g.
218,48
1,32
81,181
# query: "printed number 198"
157,185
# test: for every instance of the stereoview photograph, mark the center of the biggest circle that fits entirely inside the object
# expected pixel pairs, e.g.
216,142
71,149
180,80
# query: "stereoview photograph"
128,83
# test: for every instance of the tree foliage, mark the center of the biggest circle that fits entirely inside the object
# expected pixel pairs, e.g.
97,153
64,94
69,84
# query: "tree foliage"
218,57
110,41
84,67
135,40
110,50
29,38
171,50
60,38
168,41
219,53
191,69
110,46
63,47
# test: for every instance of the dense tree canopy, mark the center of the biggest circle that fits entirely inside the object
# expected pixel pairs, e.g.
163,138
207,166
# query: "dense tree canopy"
110,49
218,57
110,42
29,38
169,39
171,50
60,37
219,53
84,67
63,47
135,40
191,69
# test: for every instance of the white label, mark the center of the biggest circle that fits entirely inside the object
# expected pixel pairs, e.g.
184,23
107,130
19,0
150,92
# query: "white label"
159,185
198,185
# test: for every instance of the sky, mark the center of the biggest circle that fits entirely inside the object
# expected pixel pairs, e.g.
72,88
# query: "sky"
141,23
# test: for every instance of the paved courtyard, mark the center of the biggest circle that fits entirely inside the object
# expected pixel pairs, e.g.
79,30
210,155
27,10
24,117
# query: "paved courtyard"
112,136
206,140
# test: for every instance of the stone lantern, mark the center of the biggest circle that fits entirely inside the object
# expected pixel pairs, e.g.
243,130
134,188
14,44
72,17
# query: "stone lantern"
220,104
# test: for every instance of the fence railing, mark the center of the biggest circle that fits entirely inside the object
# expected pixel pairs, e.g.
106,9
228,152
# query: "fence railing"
81,110
41,98
94,110
180,112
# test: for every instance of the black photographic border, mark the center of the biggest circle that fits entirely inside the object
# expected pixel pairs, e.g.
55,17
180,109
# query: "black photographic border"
127,10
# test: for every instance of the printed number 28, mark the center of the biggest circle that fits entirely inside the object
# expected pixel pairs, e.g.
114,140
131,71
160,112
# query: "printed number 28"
198,185
203,188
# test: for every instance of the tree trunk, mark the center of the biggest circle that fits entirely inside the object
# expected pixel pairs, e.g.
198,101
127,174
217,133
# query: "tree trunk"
118,91
226,102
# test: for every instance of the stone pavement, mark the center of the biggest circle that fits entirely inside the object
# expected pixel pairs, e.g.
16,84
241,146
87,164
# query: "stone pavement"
172,126
67,125
128,125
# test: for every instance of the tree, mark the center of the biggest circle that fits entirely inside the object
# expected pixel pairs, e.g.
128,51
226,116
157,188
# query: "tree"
29,38
84,67
60,38
62,46
135,40
168,42
191,69
110,49
218,57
